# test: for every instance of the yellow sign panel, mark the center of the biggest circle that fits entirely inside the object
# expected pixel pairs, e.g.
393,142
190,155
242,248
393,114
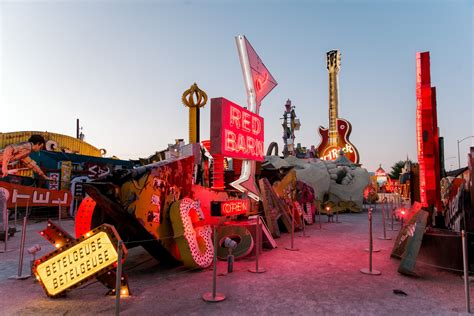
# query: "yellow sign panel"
77,263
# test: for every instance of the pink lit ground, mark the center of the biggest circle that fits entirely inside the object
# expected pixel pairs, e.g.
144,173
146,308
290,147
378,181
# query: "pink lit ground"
322,278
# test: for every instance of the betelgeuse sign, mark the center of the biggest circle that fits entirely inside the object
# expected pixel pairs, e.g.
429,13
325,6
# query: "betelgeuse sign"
80,260
235,131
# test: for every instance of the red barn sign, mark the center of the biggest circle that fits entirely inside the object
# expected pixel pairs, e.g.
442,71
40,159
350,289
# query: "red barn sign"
235,131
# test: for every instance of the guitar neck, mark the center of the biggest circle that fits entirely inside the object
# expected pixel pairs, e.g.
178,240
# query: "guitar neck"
333,107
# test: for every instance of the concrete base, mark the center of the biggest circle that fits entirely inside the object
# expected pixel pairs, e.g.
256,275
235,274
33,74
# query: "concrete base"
208,297
370,272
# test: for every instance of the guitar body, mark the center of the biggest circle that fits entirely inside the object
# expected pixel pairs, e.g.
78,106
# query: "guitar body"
329,150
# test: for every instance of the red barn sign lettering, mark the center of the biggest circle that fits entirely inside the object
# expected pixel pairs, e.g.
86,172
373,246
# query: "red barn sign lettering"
235,131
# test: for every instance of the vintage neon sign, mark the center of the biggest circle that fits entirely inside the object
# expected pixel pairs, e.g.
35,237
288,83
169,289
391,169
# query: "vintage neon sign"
78,261
234,207
230,207
235,131
427,133
258,83
21,196
332,152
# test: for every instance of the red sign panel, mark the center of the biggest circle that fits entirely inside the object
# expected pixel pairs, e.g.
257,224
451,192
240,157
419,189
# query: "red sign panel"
234,207
22,196
235,131
263,80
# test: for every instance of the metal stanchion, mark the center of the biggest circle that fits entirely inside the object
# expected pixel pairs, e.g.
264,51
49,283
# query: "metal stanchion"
19,276
337,216
371,210
330,219
76,205
15,215
4,215
392,219
384,237
386,206
258,232
370,271
5,227
466,274
59,213
304,227
319,214
213,296
118,278
230,261
292,232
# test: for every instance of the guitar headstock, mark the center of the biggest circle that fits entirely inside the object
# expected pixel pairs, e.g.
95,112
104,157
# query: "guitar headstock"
333,59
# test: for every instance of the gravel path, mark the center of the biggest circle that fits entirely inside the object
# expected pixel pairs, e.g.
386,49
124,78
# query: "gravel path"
322,278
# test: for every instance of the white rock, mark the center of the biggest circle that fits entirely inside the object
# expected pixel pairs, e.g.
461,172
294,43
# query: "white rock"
321,176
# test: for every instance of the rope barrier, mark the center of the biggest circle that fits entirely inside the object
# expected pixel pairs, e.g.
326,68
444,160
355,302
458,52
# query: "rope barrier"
264,242
434,265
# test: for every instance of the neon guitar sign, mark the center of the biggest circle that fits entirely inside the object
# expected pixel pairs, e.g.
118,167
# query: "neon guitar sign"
336,137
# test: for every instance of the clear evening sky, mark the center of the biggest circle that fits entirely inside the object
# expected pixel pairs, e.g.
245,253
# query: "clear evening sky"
121,67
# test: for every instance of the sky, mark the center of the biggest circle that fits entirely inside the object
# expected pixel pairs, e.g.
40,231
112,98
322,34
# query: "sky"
122,66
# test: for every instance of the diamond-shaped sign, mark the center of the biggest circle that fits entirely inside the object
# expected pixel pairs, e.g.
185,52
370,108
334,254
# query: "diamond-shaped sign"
262,79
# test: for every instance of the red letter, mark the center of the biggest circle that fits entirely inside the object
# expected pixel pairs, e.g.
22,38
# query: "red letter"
259,147
256,125
251,145
245,121
235,117
230,139
241,144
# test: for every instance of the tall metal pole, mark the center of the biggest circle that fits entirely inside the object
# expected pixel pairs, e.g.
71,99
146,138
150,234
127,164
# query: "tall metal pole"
4,215
22,248
384,237
459,162
5,227
337,216
292,231
59,213
459,156
370,271
15,214
258,232
214,270
118,278
19,276
213,296
319,215
370,242
304,226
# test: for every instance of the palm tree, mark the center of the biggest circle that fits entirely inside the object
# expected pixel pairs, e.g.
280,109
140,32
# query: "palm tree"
397,169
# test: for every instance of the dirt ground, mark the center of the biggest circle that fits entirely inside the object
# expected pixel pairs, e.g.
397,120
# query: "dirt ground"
322,278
